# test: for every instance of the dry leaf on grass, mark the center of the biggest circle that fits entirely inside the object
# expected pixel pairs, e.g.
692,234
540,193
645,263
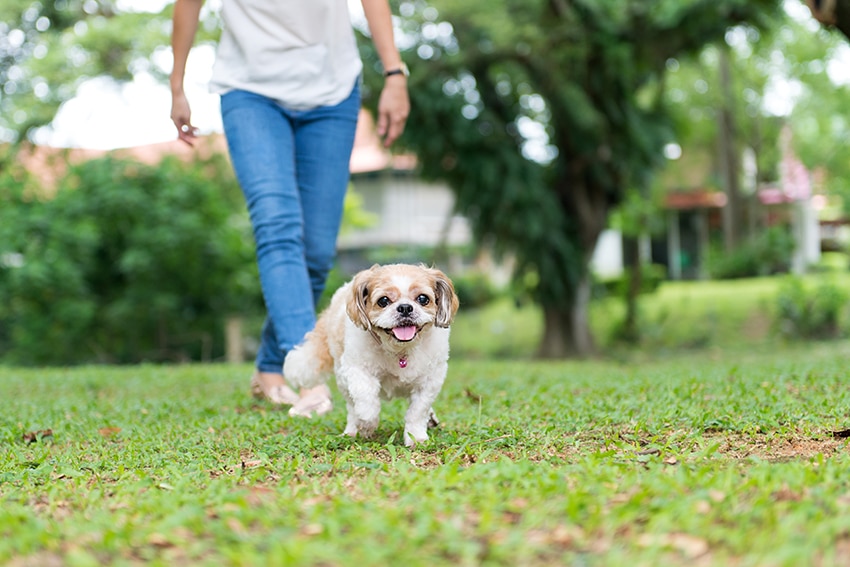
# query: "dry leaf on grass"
159,540
34,436
690,546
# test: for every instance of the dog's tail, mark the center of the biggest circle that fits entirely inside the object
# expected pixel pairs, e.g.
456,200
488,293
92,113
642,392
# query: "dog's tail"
310,364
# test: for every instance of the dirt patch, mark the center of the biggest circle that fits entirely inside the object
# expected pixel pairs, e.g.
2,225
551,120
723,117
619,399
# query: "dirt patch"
680,444
778,448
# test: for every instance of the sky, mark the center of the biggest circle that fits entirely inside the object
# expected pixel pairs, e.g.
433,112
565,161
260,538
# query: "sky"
106,115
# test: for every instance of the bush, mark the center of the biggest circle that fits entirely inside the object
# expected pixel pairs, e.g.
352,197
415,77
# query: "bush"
766,254
831,262
474,289
651,277
810,313
336,279
126,263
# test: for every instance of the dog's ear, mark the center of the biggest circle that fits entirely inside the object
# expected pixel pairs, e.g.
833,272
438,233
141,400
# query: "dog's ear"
356,307
445,297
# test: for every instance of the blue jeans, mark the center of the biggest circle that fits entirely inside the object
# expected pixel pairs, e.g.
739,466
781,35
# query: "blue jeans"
293,167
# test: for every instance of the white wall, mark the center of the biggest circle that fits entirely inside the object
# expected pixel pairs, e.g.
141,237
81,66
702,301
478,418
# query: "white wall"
407,212
607,260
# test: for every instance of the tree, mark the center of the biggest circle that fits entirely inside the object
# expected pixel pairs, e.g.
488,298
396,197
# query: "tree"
47,49
821,137
788,54
126,263
541,114
719,103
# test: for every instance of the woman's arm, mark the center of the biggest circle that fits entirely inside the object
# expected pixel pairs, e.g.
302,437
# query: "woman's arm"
394,103
185,25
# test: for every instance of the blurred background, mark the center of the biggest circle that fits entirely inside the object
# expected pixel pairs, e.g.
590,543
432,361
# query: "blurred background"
623,179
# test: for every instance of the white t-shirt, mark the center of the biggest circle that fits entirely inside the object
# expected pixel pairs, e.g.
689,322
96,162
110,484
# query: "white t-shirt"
301,53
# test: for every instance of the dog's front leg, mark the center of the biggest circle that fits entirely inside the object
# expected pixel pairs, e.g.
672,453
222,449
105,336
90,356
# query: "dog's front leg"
419,414
362,400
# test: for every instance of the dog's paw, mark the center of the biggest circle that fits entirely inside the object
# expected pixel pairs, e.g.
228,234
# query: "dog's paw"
412,439
367,430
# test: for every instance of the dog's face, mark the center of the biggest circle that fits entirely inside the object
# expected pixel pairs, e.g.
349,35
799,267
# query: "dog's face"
399,301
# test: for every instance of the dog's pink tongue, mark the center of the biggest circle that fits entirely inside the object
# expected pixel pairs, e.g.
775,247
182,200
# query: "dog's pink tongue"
404,333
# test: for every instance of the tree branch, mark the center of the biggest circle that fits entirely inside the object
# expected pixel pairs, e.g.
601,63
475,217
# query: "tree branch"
832,13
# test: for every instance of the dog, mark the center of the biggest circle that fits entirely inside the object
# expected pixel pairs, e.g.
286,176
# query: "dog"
384,335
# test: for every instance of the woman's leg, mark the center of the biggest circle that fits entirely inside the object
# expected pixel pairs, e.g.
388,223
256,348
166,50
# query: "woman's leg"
261,140
293,168
323,141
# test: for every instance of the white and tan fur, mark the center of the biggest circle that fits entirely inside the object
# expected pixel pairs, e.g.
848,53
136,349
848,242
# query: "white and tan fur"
364,338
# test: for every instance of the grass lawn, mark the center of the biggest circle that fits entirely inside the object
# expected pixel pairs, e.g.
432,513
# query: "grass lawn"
704,459
679,316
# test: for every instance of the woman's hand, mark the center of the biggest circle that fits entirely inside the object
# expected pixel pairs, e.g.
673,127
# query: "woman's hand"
393,109
181,115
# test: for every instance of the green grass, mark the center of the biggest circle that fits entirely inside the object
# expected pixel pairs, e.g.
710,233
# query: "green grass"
705,459
733,315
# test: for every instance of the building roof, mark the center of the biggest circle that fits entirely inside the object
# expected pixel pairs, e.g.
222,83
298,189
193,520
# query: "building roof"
48,163
694,199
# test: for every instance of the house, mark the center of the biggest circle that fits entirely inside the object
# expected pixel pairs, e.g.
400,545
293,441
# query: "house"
409,214
694,212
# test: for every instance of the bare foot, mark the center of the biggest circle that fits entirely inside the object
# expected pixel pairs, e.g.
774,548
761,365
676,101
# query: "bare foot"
316,399
272,387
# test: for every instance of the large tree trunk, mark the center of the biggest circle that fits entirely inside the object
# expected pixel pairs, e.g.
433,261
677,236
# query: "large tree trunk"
729,162
566,332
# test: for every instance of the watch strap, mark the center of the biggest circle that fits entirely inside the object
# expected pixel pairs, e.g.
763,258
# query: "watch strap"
401,70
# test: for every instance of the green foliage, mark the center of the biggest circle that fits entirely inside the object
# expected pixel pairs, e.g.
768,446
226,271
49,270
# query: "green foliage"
127,262
810,312
474,289
765,254
819,116
540,115
336,279
639,214
832,262
651,278
356,217
695,99
694,460
820,120
723,317
47,49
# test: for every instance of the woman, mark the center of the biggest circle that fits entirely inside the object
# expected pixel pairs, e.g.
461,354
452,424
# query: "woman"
288,72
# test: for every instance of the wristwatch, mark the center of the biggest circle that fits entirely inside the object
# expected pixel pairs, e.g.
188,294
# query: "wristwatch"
402,70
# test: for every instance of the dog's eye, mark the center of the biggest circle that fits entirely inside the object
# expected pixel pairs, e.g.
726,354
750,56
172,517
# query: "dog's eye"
423,300
384,301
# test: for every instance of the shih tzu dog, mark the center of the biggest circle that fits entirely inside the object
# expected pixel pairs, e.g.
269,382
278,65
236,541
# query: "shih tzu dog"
385,335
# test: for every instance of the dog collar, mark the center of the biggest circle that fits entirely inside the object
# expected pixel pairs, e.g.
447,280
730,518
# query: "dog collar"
402,362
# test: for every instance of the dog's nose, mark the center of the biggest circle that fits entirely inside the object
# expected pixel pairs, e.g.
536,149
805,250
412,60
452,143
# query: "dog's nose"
405,309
